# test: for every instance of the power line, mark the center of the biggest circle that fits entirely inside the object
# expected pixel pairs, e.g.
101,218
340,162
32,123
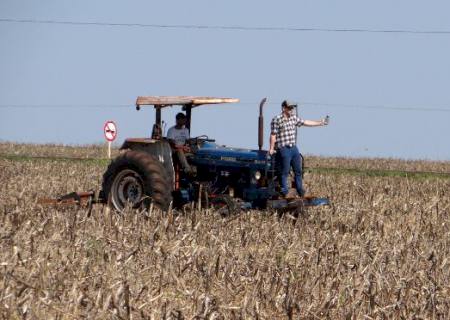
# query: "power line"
64,106
360,106
384,107
306,103
229,28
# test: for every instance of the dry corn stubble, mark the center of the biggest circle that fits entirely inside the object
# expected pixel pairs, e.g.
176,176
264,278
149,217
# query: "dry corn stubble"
381,250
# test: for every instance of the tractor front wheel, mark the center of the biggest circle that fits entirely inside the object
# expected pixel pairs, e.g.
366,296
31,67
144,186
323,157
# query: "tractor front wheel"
224,205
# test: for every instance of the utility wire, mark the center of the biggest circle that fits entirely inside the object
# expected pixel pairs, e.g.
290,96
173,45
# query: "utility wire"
64,106
306,103
230,28
403,108
360,106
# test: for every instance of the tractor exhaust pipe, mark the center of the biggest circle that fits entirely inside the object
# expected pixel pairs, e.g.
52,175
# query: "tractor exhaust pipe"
261,124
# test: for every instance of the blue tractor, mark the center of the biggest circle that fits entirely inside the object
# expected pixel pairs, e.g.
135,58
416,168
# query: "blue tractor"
147,172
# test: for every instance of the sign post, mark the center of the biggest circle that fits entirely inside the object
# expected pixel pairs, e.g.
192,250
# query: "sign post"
110,132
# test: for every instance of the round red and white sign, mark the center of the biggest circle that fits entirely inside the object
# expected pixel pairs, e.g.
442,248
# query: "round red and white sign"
110,130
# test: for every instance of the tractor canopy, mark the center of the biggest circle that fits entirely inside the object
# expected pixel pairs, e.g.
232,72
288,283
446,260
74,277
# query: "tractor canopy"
187,102
168,101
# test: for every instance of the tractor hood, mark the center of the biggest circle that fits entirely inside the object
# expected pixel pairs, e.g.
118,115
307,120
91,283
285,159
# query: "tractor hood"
212,150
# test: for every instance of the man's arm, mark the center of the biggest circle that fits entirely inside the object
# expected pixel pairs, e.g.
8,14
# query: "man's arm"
273,138
273,135
169,134
172,143
315,123
171,137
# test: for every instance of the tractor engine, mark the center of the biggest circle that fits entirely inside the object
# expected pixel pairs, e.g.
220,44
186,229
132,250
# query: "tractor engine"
240,173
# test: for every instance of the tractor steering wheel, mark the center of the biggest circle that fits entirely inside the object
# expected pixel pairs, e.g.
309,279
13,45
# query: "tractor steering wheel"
199,139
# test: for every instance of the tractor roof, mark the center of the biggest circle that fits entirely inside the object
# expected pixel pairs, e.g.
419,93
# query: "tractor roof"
167,101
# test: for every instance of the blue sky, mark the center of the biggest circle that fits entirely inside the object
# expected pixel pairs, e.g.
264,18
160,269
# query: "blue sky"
63,78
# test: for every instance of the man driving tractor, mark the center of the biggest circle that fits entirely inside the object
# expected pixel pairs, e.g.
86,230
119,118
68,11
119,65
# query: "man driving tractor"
178,135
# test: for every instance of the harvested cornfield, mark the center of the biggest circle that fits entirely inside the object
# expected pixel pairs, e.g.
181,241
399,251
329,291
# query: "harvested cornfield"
381,250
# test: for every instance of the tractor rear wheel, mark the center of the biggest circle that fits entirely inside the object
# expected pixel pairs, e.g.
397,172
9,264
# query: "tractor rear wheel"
137,179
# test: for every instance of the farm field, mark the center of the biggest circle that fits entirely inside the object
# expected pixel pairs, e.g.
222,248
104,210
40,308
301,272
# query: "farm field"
380,251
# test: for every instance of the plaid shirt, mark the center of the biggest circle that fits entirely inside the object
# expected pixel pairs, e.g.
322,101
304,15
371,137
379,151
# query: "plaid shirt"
284,129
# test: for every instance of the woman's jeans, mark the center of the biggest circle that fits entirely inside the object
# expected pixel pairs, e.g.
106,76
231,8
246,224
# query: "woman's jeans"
290,156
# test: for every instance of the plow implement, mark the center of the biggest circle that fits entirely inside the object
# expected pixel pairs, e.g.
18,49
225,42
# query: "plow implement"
89,198
83,199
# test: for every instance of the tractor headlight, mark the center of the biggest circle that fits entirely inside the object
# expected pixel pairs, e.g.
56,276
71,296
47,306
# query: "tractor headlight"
257,175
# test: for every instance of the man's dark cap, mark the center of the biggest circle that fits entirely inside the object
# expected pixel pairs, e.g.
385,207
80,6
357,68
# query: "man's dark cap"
288,104
180,115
